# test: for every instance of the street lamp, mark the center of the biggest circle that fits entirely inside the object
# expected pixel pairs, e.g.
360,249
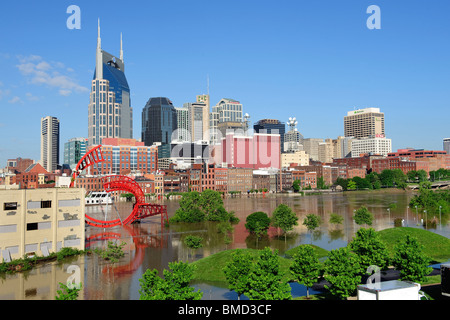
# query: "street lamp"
417,215
426,224
440,223
389,212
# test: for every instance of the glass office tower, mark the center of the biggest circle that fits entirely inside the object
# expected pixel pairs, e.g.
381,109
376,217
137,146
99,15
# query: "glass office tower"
159,120
110,112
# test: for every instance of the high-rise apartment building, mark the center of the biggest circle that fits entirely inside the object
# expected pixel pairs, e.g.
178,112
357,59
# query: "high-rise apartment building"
74,150
364,123
226,110
110,112
371,145
159,121
183,134
49,143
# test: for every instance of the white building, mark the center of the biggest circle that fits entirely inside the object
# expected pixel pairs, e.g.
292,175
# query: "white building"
373,145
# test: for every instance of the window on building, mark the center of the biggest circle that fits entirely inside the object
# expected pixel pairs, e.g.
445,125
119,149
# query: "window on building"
10,206
32,226
46,204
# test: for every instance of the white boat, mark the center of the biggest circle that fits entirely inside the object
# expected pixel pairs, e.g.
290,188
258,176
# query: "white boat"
94,198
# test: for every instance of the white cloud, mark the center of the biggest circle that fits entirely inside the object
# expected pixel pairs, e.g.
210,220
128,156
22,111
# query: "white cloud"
31,97
4,93
15,100
41,72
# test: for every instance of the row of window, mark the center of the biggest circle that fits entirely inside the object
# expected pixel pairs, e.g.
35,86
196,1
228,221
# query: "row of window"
43,204
12,228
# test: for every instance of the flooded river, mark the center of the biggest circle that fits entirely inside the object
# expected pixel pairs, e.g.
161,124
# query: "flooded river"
150,247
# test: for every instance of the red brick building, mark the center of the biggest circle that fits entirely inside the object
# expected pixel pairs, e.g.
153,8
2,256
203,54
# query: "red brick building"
126,156
392,163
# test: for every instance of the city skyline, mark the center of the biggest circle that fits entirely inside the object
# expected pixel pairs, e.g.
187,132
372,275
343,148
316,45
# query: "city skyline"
312,61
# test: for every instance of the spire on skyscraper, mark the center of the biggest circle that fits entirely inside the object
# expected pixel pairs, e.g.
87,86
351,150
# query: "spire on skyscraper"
99,56
121,47
99,39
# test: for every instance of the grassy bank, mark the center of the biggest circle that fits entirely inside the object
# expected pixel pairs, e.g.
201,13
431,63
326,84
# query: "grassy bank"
437,247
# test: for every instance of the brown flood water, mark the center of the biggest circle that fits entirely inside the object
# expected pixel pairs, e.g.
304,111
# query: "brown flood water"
149,247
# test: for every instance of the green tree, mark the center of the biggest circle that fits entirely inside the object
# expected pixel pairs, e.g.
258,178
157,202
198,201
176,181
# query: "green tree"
321,183
66,293
311,222
410,260
374,180
210,202
237,272
412,175
257,220
113,251
363,216
190,209
342,182
342,272
369,249
173,286
284,218
266,280
305,267
296,185
193,242
351,185
336,219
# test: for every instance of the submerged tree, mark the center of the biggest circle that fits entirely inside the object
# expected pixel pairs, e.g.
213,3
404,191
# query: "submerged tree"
284,218
173,286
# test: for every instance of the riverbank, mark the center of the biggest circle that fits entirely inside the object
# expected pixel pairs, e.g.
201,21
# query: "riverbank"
437,247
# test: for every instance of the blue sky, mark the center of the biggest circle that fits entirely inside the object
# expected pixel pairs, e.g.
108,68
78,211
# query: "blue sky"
315,60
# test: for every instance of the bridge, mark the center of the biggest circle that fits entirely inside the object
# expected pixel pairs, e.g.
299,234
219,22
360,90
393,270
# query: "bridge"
112,183
434,185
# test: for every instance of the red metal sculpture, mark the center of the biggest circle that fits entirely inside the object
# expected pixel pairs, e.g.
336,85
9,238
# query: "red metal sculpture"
112,183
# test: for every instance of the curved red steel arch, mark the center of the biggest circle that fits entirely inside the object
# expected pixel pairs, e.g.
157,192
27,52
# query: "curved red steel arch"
112,183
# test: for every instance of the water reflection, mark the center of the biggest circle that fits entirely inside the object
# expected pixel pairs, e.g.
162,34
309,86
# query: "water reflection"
150,247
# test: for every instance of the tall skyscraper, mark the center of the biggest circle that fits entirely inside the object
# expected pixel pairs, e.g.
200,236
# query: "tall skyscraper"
110,112
74,150
198,123
364,123
49,143
159,121
183,124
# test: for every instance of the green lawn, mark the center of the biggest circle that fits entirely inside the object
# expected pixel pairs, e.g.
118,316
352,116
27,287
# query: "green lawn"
437,247
210,268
